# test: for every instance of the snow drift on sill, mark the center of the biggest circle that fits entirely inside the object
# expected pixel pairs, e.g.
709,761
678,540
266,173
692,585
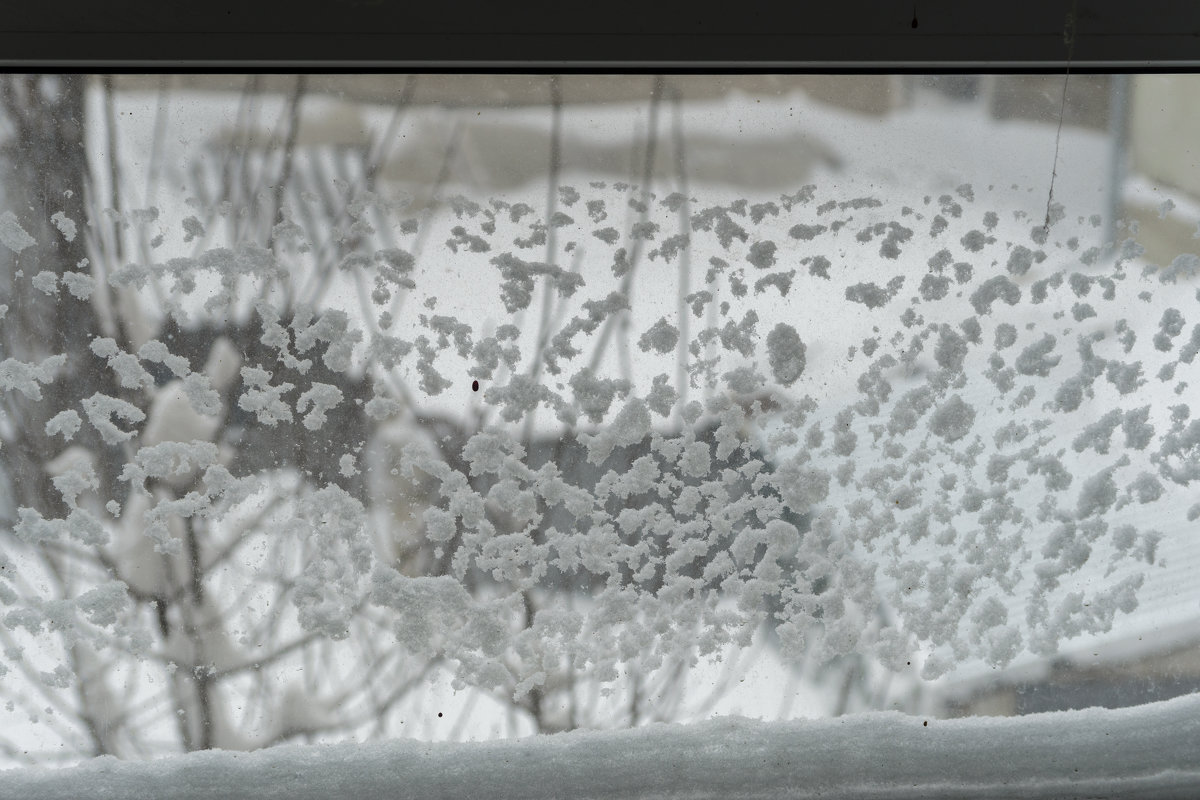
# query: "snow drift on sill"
1149,750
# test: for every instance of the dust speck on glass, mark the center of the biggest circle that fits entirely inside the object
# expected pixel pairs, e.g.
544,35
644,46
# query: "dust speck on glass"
464,407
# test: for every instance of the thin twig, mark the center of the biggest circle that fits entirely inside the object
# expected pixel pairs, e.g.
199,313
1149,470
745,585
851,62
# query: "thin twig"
685,259
381,151
229,156
156,146
244,176
543,335
289,155
114,171
634,244
434,195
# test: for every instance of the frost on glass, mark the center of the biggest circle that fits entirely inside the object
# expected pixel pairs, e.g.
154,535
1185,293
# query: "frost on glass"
256,445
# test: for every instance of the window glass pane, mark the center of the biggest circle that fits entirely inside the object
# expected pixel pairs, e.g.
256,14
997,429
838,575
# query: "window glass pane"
347,407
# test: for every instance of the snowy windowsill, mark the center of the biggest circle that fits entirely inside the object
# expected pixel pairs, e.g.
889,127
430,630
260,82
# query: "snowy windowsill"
1152,750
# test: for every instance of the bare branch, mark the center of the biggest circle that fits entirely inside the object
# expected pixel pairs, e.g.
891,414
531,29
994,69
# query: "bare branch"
634,244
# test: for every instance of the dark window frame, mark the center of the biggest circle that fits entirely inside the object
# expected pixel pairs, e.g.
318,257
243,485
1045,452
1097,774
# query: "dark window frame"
619,36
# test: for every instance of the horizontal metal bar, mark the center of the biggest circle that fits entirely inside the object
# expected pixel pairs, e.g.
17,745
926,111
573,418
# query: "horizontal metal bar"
625,36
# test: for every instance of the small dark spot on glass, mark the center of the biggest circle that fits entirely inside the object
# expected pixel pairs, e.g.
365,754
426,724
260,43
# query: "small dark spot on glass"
474,386
440,713
925,723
